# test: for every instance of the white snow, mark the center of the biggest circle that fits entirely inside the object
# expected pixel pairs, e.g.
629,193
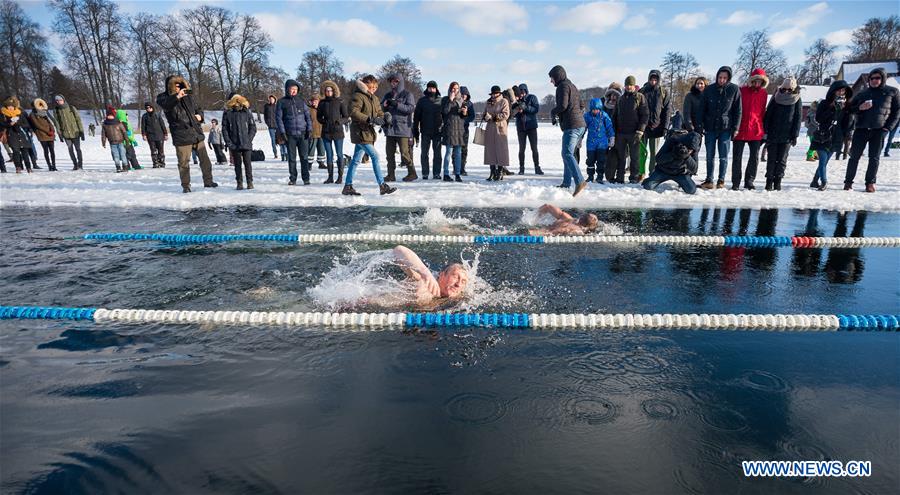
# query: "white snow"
99,186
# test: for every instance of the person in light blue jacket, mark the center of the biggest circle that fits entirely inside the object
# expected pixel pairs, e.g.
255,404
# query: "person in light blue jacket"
600,135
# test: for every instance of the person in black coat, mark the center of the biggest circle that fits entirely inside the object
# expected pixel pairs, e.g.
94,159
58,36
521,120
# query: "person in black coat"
332,114
782,126
877,110
720,115
269,119
833,118
185,124
525,109
238,131
658,124
155,134
676,161
14,122
427,126
470,117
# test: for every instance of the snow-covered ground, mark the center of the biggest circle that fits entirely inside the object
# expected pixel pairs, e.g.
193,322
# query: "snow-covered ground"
98,185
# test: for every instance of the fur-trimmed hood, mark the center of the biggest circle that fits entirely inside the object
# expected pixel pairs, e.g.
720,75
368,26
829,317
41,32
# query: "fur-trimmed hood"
836,85
39,104
287,87
172,84
401,87
334,87
11,101
759,75
237,102
361,87
614,88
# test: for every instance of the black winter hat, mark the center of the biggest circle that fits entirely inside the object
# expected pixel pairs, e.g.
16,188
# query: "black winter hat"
147,104
431,84
496,89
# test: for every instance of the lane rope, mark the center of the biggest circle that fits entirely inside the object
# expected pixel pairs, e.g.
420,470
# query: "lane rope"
385,321
658,240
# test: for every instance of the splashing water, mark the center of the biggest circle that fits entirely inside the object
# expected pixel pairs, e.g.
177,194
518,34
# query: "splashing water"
532,218
375,280
435,221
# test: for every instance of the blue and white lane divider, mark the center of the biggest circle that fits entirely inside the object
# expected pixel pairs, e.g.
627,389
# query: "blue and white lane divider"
384,321
660,240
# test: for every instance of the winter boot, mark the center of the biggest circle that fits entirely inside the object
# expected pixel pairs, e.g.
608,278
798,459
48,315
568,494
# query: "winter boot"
506,171
749,186
769,185
185,189
491,175
720,184
211,184
707,184
458,178
386,189
349,191
815,183
119,169
599,178
35,166
822,186
537,170
447,178
735,187
848,186
870,187
410,174
590,176
521,169
240,186
330,179
579,188
777,184
322,165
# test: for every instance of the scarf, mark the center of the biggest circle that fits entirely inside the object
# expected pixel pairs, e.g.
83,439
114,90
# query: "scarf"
15,112
786,98
40,113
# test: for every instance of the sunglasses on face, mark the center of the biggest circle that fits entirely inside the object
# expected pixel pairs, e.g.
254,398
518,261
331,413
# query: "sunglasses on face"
875,78
784,90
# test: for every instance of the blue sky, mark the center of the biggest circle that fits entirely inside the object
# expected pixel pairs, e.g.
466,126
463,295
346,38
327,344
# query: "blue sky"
504,42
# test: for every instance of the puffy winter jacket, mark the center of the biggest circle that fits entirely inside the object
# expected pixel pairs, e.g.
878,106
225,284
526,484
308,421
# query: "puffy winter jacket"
15,130
153,127
454,130
238,127
470,114
569,109
782,122
671,161
332,113
184,127
753,111
885,111
269,113
631,114
42,124
122,116
316,125
720,106
401,106
70,126
291,114
834,121
113,131
690,110
363,108
427,118
530,106
599,127
659,106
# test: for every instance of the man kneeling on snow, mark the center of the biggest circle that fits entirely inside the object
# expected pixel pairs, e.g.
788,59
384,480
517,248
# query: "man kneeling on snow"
675,162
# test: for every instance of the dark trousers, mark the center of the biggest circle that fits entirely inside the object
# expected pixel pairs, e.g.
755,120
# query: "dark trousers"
657,177
157,153
22,158
218,149
391,145
752,162
627,146
74,146
433,142
777,162
241,158
297,144
49,154
131,155
531,136
874,139
596,162
465,156
612,160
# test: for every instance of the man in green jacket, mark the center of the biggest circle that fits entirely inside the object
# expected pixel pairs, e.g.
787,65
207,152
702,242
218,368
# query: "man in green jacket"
71,130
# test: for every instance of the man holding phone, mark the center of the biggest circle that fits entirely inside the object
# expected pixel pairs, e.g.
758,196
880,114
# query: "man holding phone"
877,109
186,126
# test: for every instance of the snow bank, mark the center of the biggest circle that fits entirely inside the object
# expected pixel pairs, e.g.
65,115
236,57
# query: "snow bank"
99,186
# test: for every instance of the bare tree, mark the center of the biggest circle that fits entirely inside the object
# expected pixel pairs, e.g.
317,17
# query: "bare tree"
404,66
678,72
877,40
150,63
820,61
25,67
317,66
756,52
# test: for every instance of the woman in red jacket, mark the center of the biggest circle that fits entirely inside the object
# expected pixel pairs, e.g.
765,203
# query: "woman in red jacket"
753,103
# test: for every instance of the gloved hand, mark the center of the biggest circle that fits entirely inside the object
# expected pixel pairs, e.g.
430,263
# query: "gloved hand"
793,141
682,151
81,135
306,135
379,121
488,116
639,134
554,121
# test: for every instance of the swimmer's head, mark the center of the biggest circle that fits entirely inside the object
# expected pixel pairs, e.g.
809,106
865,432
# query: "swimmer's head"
589,222
453,280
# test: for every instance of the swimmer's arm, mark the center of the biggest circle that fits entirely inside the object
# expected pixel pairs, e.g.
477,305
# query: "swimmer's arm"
554,211
415,269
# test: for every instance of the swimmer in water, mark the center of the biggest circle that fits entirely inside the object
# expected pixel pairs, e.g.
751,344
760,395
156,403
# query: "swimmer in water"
565,224
450,283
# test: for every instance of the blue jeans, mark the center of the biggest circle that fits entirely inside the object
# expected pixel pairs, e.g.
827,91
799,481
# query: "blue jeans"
272,132
821,171
118,153
657,177
722,141
457,159
333,147
358,151
890,139
571,138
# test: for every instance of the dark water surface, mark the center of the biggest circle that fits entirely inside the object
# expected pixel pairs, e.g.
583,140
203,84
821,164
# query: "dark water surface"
88,408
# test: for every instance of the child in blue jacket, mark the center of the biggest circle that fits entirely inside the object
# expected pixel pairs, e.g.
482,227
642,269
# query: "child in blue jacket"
600,136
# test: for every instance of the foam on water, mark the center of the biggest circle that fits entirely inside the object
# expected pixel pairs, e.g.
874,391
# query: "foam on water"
433,221
532,218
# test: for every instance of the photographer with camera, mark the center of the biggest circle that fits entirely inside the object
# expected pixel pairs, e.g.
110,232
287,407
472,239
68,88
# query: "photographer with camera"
675,161
185,123
400,105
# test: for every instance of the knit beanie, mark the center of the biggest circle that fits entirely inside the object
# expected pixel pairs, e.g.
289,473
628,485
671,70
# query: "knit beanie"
630,81
789,83
431,84
110,111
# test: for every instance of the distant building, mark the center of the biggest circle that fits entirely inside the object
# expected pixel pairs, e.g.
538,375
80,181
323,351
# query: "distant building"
857,74
809,94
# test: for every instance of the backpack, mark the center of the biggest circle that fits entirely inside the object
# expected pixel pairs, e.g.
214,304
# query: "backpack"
257,156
